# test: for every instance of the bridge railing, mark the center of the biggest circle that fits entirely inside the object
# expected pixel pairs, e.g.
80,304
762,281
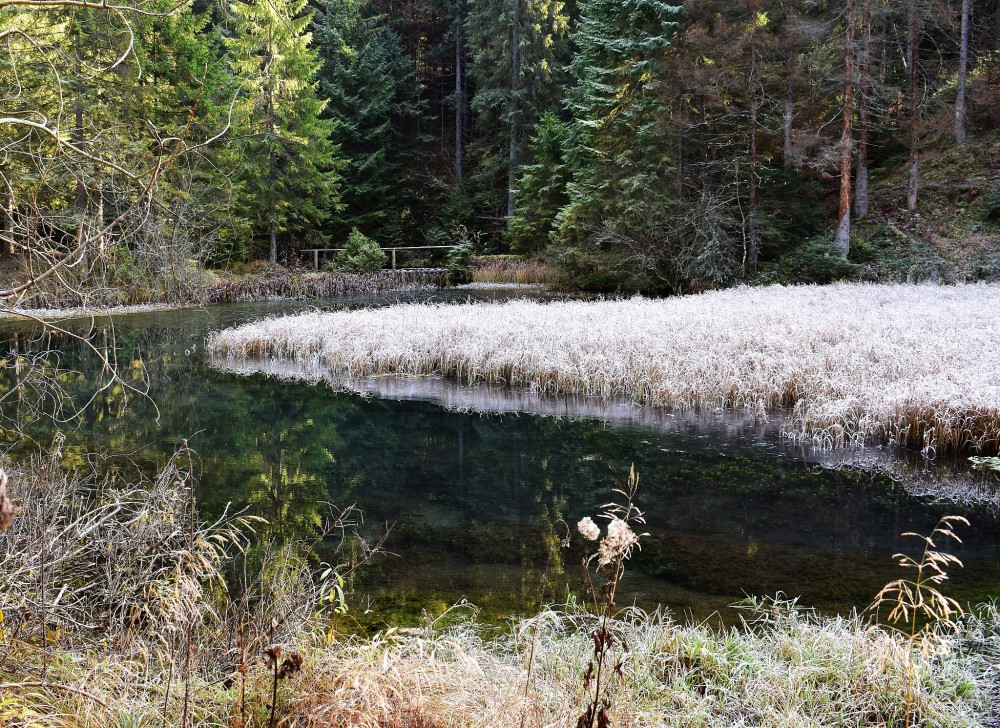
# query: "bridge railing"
316,251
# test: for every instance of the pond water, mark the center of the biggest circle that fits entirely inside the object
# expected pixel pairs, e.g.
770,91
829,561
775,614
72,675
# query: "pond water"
476,500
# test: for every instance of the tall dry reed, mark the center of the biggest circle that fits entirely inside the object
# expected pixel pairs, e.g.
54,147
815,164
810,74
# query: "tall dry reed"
501,269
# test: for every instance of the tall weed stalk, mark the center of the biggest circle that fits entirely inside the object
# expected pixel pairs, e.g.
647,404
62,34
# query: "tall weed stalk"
614,550
917,607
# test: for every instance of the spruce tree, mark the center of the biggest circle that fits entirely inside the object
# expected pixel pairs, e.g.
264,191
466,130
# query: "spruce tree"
289,168
621,195
371,88
543,184
516,69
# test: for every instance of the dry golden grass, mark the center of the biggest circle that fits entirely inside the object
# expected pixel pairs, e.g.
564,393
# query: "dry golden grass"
502,270
859,364
786,668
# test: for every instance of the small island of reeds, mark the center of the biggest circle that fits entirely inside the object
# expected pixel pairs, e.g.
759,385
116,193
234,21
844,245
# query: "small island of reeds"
856,364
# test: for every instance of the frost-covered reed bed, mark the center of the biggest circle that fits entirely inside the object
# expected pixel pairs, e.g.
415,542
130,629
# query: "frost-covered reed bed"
859,364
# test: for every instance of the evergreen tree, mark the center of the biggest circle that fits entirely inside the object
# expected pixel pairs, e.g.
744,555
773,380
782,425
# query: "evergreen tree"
543,185
617,225
187,91
371,88
290,170
515,65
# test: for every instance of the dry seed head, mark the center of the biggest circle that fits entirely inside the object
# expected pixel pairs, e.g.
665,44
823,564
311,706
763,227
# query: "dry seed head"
588,529
271,655
617,545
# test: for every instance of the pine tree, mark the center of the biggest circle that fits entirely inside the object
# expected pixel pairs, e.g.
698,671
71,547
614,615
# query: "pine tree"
290,170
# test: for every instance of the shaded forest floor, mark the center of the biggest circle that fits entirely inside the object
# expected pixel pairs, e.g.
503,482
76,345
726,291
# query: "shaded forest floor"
953,235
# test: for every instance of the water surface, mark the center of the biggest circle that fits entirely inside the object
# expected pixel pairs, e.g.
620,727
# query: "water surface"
478,500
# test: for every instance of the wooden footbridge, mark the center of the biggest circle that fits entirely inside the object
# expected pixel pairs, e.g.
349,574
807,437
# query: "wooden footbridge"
316,253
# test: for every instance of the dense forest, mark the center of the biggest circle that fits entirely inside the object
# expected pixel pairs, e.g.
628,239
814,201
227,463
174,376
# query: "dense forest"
633,144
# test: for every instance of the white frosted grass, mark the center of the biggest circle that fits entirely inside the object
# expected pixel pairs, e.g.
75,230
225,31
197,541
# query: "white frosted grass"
902,364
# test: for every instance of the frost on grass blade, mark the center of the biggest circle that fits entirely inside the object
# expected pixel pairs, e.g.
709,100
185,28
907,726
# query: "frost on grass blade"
858,364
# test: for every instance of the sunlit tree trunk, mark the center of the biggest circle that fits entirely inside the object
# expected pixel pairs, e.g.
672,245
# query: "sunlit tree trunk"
272,213
864,86
843,241
913,48
963,67
751,252
80,143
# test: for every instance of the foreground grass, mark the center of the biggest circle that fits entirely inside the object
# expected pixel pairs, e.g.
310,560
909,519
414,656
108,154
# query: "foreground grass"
786,668
859,364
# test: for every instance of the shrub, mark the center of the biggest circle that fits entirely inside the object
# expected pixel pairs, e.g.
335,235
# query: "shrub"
816,261
990,206
460,257
361,254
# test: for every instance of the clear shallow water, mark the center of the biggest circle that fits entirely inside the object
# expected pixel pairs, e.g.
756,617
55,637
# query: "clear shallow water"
476,498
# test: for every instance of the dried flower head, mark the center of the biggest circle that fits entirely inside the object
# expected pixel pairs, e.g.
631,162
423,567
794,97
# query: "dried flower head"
271,655
282,668
617,545
291,665
588,529
7,509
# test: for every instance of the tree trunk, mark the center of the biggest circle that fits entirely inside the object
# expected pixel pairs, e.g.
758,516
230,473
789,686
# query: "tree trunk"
864,84
963,68
913,164
459,97
273,237
272,222
789,107
80,143
680,149
515,78
751,251
6,229
844,213
99,232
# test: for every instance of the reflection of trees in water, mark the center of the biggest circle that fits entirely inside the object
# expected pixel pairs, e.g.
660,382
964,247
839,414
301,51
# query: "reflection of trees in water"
475,496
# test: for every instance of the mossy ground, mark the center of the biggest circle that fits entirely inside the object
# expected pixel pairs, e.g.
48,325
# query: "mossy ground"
953,235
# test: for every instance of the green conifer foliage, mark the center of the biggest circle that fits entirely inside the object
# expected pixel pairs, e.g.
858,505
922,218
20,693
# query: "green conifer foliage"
516,48
371,90
289,167
543,185
622,192
187,94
